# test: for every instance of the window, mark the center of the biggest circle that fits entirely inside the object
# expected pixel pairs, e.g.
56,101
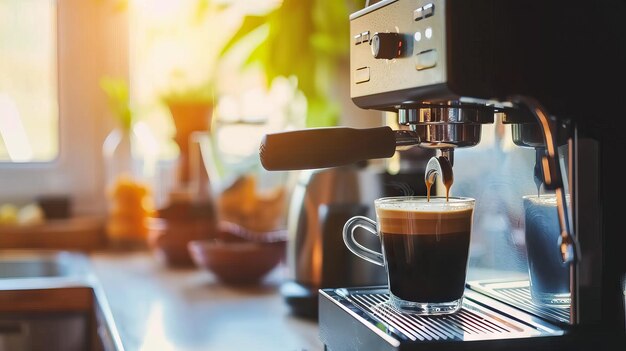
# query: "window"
52,55
28,81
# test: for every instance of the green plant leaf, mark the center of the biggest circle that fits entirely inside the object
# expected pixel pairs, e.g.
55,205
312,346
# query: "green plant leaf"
258,55
249,24
200,94
305,39
321,112
118,98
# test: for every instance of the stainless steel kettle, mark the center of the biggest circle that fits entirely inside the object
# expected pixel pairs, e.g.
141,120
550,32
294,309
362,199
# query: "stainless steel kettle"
321,202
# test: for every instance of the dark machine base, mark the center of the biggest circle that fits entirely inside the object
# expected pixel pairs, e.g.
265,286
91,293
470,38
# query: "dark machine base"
302,300
353,319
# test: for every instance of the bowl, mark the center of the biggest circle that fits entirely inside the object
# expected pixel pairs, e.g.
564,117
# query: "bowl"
238,256
168,239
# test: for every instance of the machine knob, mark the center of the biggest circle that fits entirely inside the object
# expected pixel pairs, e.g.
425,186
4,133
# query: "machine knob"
386,45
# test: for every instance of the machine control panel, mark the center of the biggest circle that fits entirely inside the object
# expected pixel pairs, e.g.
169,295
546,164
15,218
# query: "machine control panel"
405,47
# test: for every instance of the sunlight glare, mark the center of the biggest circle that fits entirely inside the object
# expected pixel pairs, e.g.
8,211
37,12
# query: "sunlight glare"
12,131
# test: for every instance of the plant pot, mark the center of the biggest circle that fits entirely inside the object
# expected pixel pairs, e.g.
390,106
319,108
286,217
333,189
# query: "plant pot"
188,117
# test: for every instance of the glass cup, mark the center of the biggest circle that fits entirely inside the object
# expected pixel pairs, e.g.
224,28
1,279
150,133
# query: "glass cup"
425,248
549,276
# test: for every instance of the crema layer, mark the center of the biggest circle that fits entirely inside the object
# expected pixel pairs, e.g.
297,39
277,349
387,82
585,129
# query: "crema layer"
421,222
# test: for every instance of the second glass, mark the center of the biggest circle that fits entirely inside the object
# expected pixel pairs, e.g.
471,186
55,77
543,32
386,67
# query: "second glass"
549,277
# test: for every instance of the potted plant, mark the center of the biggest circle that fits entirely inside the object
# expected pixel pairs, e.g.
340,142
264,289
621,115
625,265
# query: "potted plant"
192,110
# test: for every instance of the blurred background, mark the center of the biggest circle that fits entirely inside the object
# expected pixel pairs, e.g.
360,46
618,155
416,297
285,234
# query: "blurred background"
99,99
129,133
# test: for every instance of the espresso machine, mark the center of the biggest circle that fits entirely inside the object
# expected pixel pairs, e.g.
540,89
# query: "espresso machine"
518,98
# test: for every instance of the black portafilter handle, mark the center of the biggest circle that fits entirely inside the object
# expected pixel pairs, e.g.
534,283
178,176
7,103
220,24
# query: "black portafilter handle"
325,147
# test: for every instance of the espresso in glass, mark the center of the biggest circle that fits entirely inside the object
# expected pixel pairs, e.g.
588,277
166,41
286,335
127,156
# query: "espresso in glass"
426,251
425,247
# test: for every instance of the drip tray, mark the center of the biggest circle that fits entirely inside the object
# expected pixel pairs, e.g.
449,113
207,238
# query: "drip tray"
517,294
358,318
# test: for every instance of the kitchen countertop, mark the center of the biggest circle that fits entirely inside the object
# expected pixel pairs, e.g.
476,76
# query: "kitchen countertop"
159,308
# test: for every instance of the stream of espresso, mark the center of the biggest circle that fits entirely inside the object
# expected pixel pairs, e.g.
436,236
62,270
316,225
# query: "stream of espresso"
431,180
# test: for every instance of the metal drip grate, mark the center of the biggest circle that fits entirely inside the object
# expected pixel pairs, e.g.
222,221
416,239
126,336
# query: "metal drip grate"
517,294
459,326
472,322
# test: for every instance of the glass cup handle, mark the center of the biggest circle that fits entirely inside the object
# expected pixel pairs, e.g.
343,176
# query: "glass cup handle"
363,252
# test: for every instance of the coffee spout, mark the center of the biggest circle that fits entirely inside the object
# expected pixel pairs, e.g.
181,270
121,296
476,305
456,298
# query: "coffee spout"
440,166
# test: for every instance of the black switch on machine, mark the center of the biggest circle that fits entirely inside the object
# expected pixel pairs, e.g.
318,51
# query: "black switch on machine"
386,45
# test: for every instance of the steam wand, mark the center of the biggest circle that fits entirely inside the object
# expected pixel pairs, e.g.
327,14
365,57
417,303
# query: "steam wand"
568,244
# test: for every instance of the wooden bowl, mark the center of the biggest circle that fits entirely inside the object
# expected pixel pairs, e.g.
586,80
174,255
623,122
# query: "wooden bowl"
169,239
238,256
